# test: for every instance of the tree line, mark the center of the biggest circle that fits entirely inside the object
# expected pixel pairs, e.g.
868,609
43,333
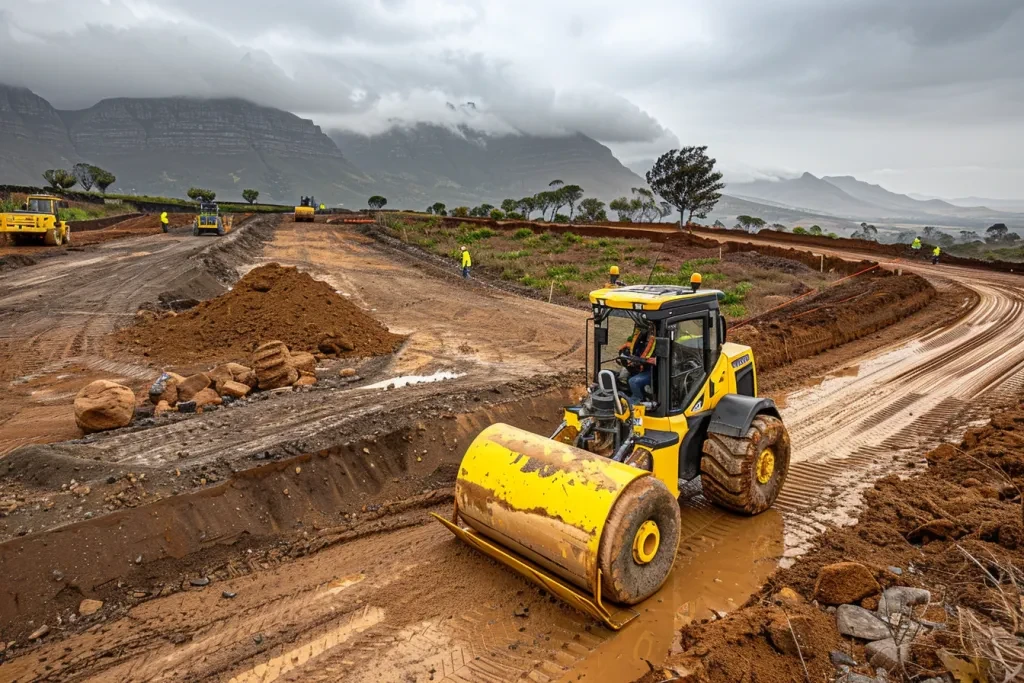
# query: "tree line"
85,175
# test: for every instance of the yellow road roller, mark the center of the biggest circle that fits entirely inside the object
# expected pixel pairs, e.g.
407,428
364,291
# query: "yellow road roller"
306,210
591,513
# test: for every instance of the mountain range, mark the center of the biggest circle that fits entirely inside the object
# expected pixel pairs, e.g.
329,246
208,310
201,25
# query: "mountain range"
164,146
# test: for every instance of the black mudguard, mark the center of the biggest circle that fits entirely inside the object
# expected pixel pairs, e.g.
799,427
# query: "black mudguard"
735,412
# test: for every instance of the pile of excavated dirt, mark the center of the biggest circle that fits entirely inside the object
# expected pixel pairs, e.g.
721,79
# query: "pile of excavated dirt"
271,302
955,529
836,316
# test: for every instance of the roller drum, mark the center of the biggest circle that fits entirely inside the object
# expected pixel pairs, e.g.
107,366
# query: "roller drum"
570,512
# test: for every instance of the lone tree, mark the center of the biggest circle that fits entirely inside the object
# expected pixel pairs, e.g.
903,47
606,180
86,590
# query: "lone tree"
59,179
686,178
750,223
867,232
1000,233
102,178
250,195
439,209
377,202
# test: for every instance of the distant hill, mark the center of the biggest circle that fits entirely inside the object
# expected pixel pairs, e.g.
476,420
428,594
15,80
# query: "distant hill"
807,192
426,163
166,145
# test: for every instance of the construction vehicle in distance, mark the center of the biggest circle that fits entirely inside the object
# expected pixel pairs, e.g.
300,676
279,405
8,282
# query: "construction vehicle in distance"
591,513
209,220
38,222
306,210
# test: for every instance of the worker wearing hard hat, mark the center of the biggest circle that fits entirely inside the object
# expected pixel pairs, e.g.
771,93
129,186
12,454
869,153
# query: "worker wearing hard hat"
916,245
935,255
467,262
164,223
613,276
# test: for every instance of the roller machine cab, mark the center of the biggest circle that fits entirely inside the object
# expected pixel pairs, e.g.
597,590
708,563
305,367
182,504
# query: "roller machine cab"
591,513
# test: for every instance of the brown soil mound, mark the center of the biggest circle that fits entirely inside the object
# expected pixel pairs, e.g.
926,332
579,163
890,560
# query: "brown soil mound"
840,314
954,529
271,302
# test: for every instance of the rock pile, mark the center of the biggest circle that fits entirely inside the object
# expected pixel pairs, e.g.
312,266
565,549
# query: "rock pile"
274,366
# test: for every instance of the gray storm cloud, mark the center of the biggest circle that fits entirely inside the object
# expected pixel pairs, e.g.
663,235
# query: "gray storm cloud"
921,94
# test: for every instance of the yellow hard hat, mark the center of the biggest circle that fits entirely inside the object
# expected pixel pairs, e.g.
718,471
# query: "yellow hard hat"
614,270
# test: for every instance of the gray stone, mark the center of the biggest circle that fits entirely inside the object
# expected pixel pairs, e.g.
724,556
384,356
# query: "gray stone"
896,570
855,621
841,659
901,599
885,654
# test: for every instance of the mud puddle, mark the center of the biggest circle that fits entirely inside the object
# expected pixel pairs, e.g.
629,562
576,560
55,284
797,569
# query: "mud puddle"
406,380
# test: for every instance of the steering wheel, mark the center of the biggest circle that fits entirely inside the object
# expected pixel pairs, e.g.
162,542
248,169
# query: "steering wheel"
686,369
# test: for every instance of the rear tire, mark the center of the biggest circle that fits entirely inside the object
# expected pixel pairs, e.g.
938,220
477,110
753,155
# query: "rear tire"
220,227
52,237
735,472
623,579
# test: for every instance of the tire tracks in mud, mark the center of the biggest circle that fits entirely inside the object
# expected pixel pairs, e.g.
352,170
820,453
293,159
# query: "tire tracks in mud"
427,608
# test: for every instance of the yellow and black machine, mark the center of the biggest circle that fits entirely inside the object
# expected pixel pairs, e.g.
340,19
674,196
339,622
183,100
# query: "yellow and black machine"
37,222
591,513
306,210
209,221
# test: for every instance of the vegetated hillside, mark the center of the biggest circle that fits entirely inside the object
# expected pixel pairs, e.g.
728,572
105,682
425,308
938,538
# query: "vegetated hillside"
904,205
163,146
419,165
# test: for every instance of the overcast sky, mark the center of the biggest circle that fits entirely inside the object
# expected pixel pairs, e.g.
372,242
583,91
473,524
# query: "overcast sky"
919,95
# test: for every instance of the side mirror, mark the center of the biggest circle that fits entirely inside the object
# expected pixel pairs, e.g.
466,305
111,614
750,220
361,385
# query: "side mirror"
721,329
24,207
600,335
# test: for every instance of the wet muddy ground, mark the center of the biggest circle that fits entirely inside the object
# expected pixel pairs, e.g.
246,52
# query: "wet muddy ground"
373,590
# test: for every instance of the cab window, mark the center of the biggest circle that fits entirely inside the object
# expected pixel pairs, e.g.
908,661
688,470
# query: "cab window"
687,370
40,205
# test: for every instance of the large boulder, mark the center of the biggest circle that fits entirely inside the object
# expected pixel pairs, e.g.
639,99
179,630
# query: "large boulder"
272,363
234,389
242,374
104,405
843,583
192,385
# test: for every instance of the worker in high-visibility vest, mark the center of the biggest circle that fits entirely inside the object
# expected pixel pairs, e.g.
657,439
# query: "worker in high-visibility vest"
935,255
322,207
164,223
916,245
467,262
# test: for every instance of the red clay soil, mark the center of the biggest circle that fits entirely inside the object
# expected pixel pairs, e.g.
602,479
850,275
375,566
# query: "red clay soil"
842,313
954,528
270,302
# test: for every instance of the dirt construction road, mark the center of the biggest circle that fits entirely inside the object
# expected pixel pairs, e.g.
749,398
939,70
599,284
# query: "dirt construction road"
413,604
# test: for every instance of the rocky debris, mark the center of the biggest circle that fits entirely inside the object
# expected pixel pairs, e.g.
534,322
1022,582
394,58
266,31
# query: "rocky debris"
855,621
229,595
187,407
841,659
900,599
273,365
843,583
165,388
235,389
104,405
207,397
40,632
306,380
192,385
200,582
886,654
161,408
334,345
88,607
304,362
347,372
785,596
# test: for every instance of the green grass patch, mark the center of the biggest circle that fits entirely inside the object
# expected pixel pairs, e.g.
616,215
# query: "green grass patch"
512,255
564,272
522,234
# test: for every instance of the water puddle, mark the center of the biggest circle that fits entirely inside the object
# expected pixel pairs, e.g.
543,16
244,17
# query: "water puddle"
406,380
719,565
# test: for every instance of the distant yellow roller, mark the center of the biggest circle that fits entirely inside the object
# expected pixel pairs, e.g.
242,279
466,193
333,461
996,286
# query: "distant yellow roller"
571,519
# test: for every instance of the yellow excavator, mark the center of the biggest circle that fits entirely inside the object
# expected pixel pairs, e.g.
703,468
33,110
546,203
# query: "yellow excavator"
38,222
591,513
